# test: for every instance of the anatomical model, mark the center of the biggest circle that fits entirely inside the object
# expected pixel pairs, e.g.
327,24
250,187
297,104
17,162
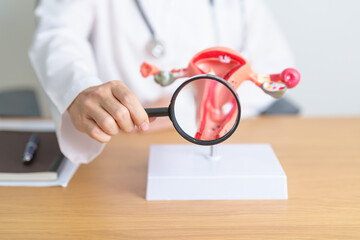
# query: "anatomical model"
231,66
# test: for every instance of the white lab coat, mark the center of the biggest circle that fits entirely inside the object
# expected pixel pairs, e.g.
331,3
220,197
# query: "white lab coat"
82,43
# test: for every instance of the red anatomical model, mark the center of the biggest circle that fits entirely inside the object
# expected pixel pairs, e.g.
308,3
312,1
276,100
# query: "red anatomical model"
231,66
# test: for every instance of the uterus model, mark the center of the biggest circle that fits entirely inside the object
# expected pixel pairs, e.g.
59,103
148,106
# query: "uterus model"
235,69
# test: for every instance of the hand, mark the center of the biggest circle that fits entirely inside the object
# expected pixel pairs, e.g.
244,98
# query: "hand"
102,111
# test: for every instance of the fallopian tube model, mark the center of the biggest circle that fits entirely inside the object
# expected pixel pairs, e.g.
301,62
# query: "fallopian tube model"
231,66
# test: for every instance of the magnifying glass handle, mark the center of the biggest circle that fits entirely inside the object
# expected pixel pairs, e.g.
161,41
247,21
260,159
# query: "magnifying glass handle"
157,112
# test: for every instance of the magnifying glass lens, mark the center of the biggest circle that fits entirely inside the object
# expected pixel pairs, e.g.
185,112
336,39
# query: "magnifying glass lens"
206,110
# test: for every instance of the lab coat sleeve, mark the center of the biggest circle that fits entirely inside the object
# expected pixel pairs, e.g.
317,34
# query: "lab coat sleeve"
63,60
268,52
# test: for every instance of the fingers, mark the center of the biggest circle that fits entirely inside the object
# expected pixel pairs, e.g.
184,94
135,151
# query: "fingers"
102,111
93,130
120,113
105,121
132,103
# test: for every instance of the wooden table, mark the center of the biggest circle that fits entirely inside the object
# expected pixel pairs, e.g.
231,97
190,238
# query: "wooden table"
105,199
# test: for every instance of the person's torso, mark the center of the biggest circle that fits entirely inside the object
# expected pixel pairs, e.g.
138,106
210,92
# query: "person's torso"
120,36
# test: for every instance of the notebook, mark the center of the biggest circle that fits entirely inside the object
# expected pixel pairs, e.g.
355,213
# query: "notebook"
44,166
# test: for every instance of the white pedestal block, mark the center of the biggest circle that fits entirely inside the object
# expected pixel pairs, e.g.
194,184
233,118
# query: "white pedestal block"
243,171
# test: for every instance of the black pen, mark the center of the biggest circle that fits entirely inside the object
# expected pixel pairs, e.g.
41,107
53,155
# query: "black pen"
30,148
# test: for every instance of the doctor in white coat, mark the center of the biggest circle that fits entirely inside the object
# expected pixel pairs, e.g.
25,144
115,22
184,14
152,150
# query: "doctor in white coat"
87,54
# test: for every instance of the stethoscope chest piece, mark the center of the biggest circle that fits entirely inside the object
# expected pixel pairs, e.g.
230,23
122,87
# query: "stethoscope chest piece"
156,47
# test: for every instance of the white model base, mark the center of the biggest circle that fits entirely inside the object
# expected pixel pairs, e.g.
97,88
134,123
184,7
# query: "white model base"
241,171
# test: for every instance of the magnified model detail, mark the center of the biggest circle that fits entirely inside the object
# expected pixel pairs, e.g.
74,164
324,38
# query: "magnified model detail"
215,107
204,109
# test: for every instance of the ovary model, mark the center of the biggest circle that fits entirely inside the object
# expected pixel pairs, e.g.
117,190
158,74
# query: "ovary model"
231,66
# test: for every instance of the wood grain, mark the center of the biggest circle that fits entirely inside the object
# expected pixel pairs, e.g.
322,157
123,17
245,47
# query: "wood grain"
105,199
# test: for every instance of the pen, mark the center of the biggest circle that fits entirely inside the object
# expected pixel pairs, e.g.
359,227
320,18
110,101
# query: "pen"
30,148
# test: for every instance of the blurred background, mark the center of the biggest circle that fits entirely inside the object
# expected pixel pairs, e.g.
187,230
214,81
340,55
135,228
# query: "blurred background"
323,34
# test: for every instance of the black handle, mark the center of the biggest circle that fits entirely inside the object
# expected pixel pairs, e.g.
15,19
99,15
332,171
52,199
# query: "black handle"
157,112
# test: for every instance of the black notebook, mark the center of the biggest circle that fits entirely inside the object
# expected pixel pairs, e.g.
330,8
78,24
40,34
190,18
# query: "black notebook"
45,164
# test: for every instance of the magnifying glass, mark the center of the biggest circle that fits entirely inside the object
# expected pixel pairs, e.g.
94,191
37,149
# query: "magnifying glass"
204,110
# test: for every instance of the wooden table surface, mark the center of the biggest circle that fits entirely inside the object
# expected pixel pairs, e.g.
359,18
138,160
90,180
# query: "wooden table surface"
105,199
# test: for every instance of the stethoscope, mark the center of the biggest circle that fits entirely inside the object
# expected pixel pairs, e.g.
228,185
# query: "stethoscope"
156,47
